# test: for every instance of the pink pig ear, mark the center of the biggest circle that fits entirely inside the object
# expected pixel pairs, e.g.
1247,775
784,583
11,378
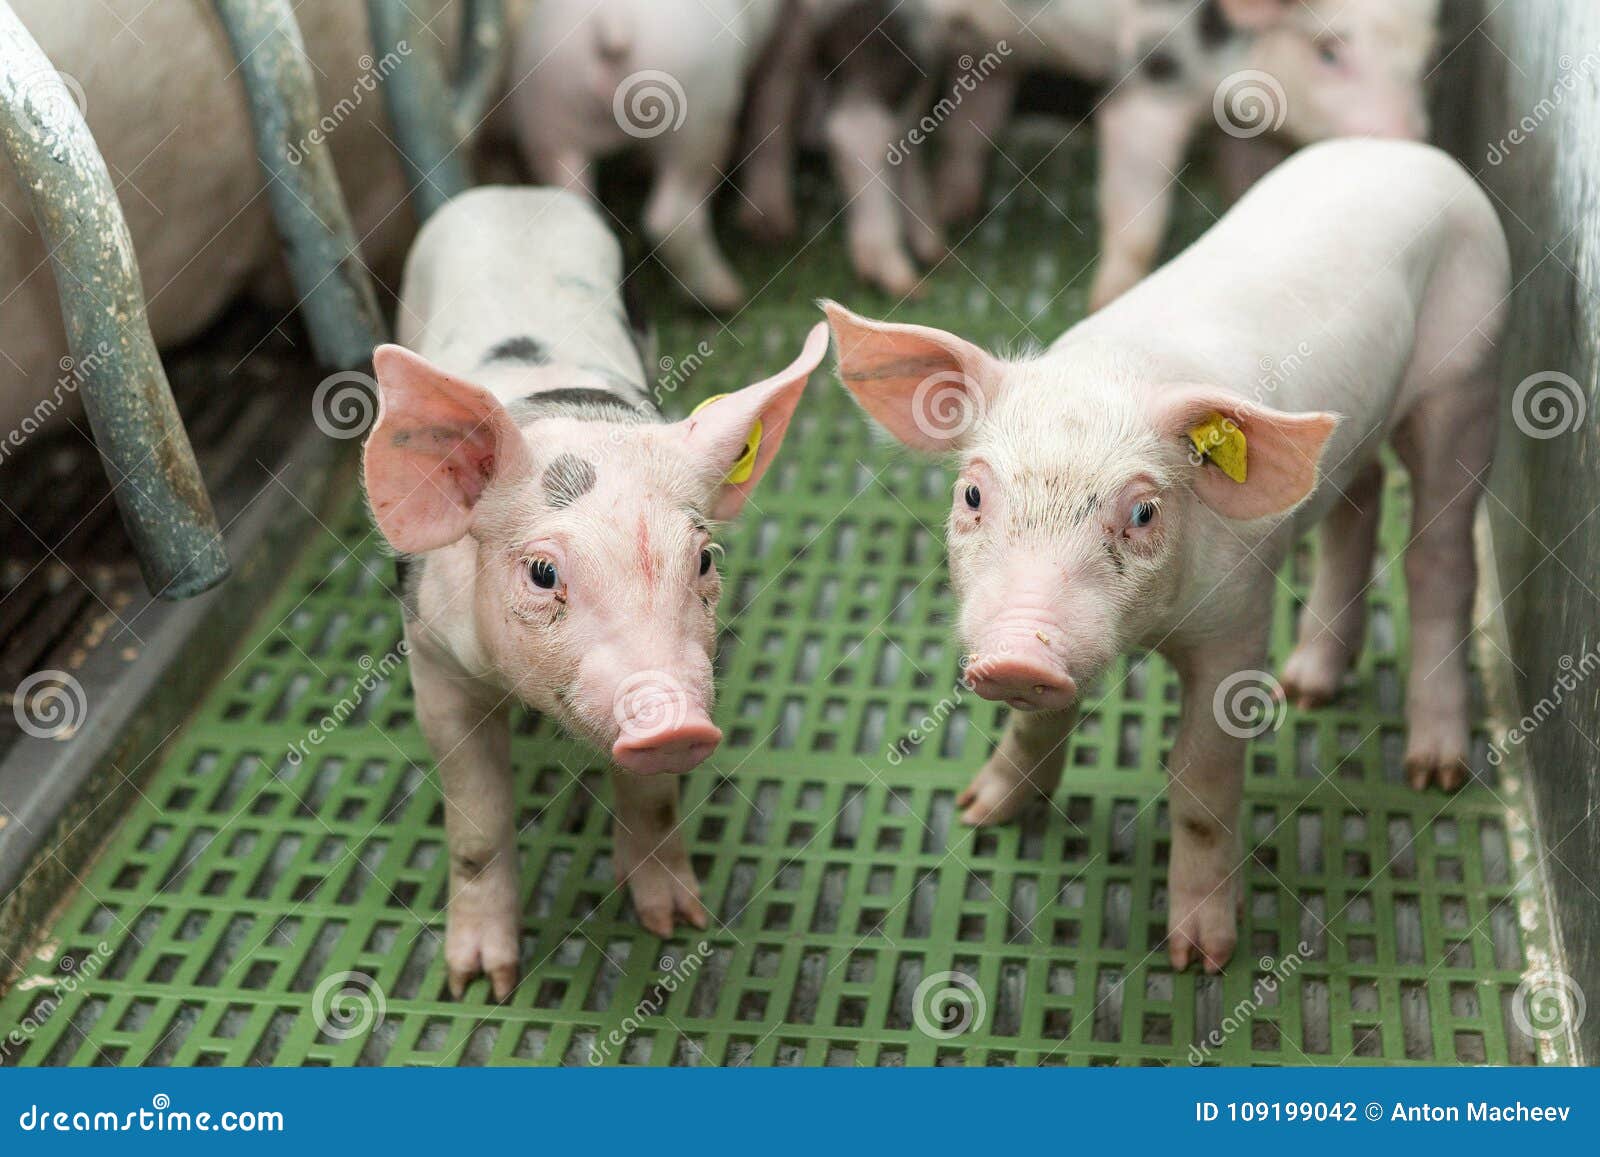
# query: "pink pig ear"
1282,450
923,385
1255,14
720,434
438,442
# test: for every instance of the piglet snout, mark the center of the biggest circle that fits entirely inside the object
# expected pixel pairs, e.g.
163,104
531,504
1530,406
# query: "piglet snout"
661,726
672,749
1029,680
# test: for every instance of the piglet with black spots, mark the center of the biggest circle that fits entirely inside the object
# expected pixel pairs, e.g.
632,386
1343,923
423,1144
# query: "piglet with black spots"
555,536
1139,484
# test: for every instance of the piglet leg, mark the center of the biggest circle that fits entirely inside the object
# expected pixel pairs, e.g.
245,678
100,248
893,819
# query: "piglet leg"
650,853
1335,615
860,132
471,738
1446,443
1025,766
774,107
972,131
1205,784
1143,134
677,219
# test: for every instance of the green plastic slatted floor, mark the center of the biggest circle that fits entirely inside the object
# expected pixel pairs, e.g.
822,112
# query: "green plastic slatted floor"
1395,925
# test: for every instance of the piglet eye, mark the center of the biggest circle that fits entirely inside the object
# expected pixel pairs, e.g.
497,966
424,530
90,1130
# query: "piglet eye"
543,573
1144,513
705,562
974,497
1327,52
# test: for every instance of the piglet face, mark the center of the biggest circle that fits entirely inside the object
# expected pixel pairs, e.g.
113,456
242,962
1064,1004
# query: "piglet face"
1351,68
1052,561
581,553
596,591
1080,510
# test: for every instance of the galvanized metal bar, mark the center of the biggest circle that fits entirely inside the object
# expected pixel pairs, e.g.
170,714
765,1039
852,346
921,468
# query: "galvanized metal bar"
480,65
432,118
336,295
115,366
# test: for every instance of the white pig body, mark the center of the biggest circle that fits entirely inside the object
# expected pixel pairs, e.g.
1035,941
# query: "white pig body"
1353,298
556,541
590,79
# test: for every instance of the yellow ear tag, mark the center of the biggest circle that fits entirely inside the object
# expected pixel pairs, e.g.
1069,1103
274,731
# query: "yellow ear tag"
1221,440
745,464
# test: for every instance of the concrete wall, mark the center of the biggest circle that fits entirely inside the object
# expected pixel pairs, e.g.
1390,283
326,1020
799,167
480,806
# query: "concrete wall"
1533,137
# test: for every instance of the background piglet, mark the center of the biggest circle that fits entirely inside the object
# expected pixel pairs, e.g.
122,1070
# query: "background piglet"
556,541
1084,524
591,77
868,68
1272,74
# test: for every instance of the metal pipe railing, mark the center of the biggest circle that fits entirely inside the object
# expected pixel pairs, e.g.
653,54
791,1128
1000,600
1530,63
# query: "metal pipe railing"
137,430
433,117
336,295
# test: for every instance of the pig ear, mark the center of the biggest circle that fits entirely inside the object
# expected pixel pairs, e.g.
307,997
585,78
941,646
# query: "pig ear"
722,433
925,386
1281,450
1255,15
438,442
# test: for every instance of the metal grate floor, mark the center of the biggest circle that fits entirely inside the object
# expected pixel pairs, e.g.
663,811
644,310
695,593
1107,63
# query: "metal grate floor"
218,923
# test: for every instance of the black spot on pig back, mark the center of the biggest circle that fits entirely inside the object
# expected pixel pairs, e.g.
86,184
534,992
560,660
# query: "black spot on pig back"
518,349
584,403
567,479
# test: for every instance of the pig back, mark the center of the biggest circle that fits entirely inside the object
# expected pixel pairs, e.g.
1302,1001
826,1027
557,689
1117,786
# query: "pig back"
503,274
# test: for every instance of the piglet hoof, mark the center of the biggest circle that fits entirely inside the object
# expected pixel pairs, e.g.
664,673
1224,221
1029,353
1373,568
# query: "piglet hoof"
718,290
1313,673
888,269
1202,928
959,198
661,881
1445,765
768,221
996,795
481,943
